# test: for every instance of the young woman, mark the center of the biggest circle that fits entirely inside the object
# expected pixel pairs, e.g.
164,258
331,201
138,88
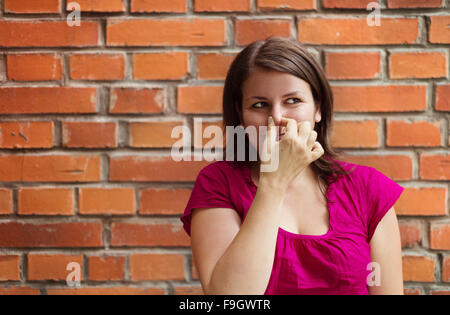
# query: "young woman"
315,224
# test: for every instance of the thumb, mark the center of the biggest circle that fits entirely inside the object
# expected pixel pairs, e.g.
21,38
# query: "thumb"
317,150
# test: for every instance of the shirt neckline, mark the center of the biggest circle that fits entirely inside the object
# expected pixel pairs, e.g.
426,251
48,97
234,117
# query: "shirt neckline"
329,193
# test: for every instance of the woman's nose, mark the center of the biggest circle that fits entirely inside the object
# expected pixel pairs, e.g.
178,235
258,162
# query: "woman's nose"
276,113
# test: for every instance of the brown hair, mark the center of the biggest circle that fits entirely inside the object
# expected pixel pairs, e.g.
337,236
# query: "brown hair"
290,56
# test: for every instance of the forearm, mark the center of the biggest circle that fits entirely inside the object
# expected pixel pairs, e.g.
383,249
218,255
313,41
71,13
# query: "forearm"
246,265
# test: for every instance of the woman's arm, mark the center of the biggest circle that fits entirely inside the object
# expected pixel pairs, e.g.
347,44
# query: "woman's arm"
387,253
232,259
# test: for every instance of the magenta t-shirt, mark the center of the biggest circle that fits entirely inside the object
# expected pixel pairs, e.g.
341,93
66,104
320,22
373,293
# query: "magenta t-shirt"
334,263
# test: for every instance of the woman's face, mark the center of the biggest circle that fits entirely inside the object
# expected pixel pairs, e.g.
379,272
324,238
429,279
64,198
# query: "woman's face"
265,93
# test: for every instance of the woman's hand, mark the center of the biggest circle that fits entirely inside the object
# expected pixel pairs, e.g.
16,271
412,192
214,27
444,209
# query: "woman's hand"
296,149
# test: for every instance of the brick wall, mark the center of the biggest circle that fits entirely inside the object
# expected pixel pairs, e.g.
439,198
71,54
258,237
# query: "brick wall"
87,112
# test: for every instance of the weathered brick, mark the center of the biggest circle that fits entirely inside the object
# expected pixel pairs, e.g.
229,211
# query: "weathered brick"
180,32
47,100
46,201
48,34
34,67
356,31
29,134
62,234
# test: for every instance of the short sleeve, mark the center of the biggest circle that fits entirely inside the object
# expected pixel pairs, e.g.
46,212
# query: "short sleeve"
210,190
382,193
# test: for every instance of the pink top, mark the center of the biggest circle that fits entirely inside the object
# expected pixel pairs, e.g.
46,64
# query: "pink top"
333,263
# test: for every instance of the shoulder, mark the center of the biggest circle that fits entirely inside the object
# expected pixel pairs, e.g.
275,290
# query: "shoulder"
221,172
221,169
356,172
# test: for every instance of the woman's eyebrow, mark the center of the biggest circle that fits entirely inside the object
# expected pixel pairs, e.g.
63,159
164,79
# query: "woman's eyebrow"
288,94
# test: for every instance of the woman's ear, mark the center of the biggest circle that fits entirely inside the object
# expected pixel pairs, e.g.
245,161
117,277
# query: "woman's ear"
317,116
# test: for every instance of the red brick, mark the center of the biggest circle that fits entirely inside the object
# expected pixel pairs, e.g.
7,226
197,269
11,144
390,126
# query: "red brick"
161,66
422,201
410,233
47,100
153,169
440,236
133,100
188,290
6,202
49,168
420,133
267,5
388,98
155,134
2,68
440,292
434,166
412,291
397,167
89,134
97,67
213,66
405,65
107,200
355,134
62,234
9,267
248,31
352,65
446,268
357,32
179,32
439,32
159,6
99,5
22,290
200,99
163,201
52,266
46,201
222,6
122,290
346,4
418,268
398,4
48,34
106,268
34,67
29,134
140,234
32,6
443,98
157,267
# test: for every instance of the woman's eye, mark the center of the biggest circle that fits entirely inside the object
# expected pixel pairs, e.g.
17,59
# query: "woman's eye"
258,106
262,104
296,100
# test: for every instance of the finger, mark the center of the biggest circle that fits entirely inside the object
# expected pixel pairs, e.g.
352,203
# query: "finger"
312,138
291,126
317,151
270,135
304,131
